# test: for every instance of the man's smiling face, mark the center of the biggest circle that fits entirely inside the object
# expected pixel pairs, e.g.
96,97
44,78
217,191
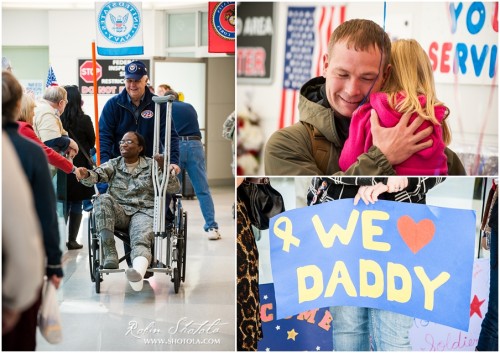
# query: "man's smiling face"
136,88
349,75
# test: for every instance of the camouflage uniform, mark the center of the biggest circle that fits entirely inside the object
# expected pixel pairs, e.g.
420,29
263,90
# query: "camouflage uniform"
129,203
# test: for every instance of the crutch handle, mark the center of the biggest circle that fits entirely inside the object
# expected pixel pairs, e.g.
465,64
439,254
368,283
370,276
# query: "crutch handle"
164,99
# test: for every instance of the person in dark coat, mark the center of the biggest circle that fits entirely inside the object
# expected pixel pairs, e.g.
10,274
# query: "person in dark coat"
35,166
488,337
81,130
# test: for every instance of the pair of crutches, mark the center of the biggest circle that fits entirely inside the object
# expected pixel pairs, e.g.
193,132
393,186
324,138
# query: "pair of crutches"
160,183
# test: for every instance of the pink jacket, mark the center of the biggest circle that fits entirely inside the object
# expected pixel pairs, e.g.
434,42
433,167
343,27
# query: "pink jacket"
429,161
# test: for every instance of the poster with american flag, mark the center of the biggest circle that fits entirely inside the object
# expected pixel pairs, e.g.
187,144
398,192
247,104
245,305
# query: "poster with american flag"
308,30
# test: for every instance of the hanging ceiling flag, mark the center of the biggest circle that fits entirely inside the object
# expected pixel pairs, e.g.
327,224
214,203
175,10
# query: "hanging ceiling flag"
119,28
221,23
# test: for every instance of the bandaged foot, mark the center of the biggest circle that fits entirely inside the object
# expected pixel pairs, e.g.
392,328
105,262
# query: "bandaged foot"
135,274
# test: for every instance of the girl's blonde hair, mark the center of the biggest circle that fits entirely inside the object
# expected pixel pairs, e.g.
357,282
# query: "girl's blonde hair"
27,107
412,76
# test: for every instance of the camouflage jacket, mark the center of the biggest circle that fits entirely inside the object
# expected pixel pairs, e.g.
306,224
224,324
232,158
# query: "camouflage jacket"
133,191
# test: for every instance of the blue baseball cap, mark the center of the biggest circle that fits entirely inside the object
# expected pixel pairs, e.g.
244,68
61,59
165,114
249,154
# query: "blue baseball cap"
135,70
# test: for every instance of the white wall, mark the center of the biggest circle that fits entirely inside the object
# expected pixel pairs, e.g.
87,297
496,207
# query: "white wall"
472,115
69,34
220,103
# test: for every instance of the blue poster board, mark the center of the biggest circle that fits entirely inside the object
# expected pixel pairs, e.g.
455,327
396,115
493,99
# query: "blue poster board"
407,258
308,331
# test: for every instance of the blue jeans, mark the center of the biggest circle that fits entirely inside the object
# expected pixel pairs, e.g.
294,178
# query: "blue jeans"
488,338
353,326
192,158
59,144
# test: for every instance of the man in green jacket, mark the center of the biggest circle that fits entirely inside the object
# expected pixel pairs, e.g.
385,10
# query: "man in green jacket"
357,63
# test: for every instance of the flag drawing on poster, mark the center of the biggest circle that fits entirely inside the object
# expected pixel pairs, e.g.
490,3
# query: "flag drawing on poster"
308,30
119,28
51,78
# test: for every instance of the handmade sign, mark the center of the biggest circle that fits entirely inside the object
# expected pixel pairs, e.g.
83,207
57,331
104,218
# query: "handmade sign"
312,330
307,331
408,258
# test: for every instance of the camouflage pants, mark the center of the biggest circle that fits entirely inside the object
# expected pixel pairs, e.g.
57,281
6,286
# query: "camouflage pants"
109,215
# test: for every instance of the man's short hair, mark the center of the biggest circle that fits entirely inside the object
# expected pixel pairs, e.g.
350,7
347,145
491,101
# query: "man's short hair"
165,86
172,92
55,94
362,35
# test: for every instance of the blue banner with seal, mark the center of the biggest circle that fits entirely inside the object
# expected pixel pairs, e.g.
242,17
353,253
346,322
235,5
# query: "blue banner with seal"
119,28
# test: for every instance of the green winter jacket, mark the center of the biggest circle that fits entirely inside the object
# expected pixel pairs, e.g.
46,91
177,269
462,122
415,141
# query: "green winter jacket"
289,150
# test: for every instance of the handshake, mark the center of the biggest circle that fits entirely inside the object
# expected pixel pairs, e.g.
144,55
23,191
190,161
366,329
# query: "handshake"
81,173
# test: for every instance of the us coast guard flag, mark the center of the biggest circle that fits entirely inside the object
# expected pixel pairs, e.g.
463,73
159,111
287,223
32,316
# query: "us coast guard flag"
119,28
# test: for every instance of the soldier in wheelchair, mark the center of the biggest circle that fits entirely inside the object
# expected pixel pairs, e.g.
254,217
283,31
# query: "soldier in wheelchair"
129,204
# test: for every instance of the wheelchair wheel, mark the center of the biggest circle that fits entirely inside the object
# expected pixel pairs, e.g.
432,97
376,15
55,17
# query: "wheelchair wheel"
98,278
183,250
177,280
90,243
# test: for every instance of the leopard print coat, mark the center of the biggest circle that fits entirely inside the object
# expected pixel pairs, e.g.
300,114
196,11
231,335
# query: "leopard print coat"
248,308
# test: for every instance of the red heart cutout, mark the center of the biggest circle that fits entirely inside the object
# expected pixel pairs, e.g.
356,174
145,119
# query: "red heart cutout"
416,235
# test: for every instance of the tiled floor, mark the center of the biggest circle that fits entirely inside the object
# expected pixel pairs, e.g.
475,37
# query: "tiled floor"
201,317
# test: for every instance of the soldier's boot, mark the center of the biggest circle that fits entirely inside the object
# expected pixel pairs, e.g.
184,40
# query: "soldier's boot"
108,246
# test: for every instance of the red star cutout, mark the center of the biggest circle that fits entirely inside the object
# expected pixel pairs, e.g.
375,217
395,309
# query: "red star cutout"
475,306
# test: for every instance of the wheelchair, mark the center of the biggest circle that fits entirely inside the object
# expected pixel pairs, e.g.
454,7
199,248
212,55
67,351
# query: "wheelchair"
172,243
170,238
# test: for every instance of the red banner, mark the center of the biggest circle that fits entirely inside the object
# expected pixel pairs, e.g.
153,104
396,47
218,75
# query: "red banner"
221,25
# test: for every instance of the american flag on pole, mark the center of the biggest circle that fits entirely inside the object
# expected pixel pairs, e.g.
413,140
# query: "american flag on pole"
51,78
308,30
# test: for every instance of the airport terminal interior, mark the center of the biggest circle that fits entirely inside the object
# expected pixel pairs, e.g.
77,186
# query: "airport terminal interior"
201,316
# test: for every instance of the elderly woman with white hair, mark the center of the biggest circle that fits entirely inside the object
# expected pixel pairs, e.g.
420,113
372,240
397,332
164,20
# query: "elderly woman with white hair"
47,122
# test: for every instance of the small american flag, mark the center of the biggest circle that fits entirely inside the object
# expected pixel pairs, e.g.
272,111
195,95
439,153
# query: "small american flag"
308,33
51,78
